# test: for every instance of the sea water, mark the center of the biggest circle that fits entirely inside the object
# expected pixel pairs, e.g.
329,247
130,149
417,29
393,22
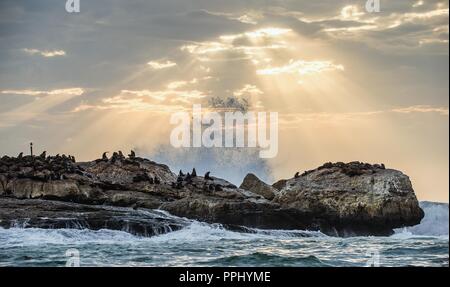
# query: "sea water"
201,244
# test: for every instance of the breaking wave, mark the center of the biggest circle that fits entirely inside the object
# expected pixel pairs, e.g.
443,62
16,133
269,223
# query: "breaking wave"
202,244
434,223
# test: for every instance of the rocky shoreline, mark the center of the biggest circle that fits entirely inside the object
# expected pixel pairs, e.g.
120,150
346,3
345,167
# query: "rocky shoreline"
339,199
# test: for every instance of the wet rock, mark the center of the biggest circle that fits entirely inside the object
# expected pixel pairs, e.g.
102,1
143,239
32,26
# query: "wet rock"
56,214
354,198
336,198
254,184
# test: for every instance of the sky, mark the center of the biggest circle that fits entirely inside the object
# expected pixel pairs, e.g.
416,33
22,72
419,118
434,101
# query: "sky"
348,84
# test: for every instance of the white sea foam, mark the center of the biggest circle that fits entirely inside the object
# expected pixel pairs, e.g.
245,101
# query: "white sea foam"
435,222
199,231
37,236
194,232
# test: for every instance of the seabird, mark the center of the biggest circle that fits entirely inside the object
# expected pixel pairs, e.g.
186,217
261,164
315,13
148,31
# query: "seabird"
43,155
20,155
207,176
297,175
194,172
104,157
188,178
181,173
132,154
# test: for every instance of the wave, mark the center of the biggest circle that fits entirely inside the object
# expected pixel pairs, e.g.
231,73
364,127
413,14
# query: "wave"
434,223
263,259
195,231
199,231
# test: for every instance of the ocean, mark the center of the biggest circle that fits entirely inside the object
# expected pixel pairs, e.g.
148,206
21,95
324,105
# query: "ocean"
202,244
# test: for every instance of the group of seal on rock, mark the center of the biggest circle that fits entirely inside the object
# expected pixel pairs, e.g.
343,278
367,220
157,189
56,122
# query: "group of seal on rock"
337,199
117,156
188,179
351,169
41,168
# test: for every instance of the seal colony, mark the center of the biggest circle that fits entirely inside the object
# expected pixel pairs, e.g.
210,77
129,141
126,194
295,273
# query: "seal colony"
339,199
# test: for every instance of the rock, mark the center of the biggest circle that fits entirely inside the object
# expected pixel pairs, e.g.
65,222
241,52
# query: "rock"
237,212
255,185
336,198
279,185
354,198
56,214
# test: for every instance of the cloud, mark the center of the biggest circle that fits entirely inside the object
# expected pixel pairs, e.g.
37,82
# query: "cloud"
39,93
45,53
412,28
301,67
292,119
40,107
351,12
248,45
161,65
147,100
418,4
422,109
179,84
250,90
249,17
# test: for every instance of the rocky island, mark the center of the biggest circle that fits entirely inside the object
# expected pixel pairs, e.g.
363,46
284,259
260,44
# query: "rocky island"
140,196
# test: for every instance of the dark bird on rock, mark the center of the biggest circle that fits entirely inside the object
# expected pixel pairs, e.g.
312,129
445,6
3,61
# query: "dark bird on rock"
181,173
188,178
194,172
43,155
121,155
207,175
104,157
132,154
20,155
114,157
297,175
